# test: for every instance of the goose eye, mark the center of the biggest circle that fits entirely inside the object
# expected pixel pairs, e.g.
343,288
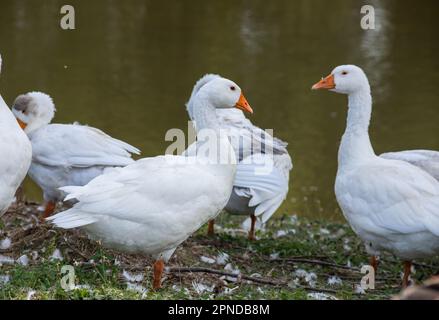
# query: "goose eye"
344,73
232,88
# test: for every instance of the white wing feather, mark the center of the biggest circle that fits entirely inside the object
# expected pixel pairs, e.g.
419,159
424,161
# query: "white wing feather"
151,200
73,145
427,160
264,184
393,196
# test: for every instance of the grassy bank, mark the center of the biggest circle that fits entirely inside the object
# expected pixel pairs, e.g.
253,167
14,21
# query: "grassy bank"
294,258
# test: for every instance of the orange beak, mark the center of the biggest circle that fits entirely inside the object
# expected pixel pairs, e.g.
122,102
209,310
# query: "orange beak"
22,124
243,104
325,83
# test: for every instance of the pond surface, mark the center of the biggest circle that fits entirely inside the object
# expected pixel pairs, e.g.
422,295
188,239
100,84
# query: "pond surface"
129,67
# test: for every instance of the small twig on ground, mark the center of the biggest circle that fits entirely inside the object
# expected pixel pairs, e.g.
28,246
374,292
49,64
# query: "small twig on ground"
25,235
244,277
224,273
312,261
74,249
416,264
424,265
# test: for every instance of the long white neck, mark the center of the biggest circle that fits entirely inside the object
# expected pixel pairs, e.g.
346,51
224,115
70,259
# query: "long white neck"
355,145
204,114
212,142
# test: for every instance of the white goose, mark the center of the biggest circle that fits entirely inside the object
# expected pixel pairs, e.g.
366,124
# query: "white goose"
155,204
256,192
65,154
15,155
392,205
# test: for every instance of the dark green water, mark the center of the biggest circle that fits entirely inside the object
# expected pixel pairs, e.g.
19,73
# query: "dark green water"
129,67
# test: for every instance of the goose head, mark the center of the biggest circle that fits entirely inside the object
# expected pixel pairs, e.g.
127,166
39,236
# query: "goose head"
223,93
345,79
33,110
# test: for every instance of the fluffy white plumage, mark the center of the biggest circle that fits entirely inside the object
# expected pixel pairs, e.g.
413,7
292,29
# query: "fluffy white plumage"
259,194
140,209
66,154
15,155
427,160
391,204
153,205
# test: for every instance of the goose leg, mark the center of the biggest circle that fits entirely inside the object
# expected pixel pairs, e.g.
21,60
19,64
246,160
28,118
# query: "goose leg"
407,271
251,233
50,208
159,266
374,263
211,228
19,194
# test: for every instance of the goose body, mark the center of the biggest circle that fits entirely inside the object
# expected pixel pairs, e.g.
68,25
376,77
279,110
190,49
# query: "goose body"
15,155
65,154
254,194
392,205
138,209
154,204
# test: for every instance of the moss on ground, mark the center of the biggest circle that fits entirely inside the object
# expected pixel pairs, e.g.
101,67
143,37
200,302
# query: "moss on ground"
293,258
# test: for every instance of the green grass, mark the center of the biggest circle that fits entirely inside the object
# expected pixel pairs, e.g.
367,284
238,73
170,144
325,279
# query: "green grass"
99,271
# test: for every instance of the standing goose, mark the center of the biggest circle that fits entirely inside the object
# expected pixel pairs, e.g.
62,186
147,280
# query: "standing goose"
155,204
391,205
15,155
256,192
65,154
